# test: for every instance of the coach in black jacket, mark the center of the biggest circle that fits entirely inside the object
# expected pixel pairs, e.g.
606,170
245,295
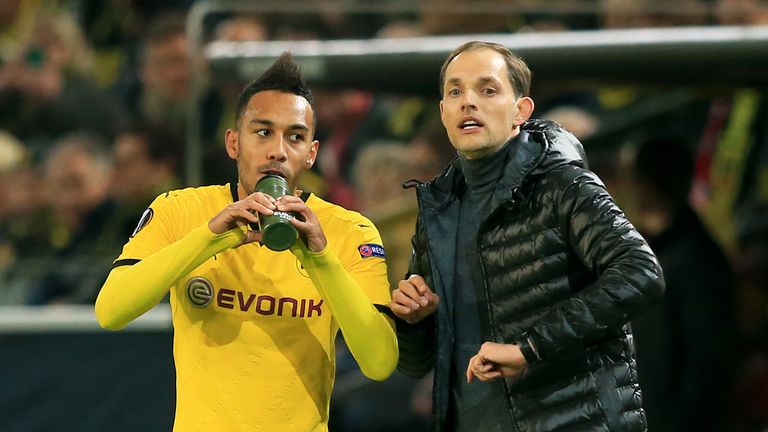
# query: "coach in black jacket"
531,267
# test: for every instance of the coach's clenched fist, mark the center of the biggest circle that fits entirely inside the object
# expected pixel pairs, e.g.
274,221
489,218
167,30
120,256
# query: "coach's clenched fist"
413,300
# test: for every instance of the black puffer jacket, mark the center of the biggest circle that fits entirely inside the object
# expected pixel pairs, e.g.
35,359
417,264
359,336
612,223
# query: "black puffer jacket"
562,272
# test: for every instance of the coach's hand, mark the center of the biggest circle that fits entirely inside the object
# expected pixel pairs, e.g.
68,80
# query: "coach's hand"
241,213
495,360
413,300
306,222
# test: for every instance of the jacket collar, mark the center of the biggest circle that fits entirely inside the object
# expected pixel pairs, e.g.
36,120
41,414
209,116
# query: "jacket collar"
526,152
541,146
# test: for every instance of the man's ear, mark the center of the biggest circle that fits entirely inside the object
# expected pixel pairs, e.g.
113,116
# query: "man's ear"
312,156
525,107
232,143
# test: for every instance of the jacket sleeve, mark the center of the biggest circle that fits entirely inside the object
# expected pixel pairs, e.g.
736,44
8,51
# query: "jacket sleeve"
417,342
628,277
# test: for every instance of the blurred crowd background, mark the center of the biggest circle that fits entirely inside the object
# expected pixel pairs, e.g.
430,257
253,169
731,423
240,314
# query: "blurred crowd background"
94,98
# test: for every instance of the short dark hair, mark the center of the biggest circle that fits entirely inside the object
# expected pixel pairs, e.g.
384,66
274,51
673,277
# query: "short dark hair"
284,75
517,70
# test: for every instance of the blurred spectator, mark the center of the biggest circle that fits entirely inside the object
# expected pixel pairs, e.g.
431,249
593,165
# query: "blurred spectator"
430,149
322,20
752,270
626,110
162,97
445,20
113,29
728,155
22,233
12,153
730,158
13,199
576,120
221,103
16,20
145,163
653,13
298,27
358,404
21,219
47,90
399,29
379,172
742,12
83,235
241,28
76,180
686,345
348,120
164,75
625,14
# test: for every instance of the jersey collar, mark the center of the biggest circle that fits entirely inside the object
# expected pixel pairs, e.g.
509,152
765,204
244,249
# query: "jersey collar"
233,190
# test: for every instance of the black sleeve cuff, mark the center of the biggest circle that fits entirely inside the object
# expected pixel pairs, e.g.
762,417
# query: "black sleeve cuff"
385,310
403,327
528,349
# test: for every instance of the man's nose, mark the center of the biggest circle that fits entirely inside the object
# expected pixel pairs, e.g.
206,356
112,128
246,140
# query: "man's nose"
277,150
468,101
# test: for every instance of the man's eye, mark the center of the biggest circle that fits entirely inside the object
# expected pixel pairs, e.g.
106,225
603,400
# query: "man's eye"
454,92
262,132
489,91
296,137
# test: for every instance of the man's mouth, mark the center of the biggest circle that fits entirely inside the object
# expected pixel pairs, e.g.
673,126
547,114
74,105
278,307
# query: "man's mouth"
273,171
470,124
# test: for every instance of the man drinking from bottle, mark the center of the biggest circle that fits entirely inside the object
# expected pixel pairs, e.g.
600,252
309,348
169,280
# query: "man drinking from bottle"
254,328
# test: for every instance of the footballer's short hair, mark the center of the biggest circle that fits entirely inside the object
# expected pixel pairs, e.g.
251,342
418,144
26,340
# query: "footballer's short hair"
284,75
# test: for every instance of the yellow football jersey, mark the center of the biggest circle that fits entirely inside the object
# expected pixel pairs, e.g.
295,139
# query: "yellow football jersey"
253,339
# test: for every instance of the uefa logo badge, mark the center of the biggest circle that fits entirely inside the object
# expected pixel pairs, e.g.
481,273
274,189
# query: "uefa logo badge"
369,250
200,292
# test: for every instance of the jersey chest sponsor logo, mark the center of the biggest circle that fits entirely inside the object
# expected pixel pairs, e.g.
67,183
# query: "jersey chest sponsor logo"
201,293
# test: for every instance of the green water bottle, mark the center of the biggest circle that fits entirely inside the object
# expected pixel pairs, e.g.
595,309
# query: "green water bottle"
277,232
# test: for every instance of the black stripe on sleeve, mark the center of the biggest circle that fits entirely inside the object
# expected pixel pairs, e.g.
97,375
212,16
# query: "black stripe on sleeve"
385,310
125,262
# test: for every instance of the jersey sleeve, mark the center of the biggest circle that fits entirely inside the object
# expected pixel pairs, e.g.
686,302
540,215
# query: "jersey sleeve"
362,253
153,232
351,285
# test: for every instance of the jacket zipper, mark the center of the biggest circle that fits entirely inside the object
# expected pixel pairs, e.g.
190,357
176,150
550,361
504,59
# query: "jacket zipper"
491,326
419,190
